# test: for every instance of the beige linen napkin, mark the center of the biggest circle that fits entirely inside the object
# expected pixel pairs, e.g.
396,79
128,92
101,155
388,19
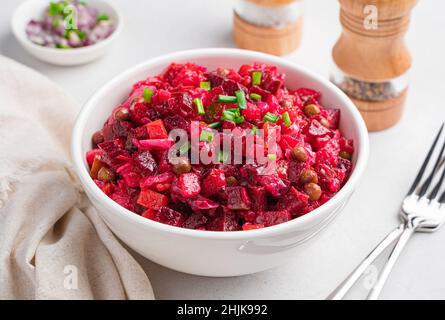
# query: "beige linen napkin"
53,245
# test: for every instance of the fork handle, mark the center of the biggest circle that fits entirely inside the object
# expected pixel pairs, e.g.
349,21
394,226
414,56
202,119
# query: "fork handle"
341,291
409,229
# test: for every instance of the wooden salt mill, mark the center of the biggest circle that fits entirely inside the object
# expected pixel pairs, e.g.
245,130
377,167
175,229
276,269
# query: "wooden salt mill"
372,59
271,26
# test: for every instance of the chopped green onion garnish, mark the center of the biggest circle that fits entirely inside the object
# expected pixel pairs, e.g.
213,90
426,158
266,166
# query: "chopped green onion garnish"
56,8
241,97
82,35
62,46
103,17
256,78
228,116
148,93
272,157
222,156
270,117
205,85
206,136
56,23
255,96
199,106
235,111
184,148
254,130
215,125
227,99
286,119
239,120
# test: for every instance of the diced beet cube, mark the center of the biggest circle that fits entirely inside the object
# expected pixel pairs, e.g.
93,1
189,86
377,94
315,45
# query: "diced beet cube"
92,154
224,220
320,142
316,130
188,184
202,203
252,112
214,183
294,171
154,144
249,173
271,83
176,122
169,216
149,214
106,187
306,94
145,163
345,166
163,163
329,153
195,220
249,216
258,195
152,181
156,130
131,177
182,104
274,184
328,177
282,169
333,117
112,148
229,170
139,112
237,198
346,145
270,218
293,201
124,196
152,200
116,129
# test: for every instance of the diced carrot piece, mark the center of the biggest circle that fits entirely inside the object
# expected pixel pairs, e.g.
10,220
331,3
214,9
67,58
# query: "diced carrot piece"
250,226
156,130
149,214
152,200
95,167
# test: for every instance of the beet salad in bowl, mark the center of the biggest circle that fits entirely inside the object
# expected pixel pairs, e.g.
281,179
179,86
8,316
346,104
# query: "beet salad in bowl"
219,162
137,162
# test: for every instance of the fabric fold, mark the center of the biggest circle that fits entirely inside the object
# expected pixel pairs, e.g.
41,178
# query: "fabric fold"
53,244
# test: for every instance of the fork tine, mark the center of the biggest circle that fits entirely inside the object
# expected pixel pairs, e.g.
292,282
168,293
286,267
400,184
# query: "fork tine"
428,181
436,189
425,163
442,198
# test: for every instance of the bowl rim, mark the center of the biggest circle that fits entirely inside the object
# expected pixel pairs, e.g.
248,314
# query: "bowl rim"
283,228
20,35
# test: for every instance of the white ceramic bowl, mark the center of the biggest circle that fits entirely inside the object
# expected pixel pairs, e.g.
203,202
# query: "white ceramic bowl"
203,252
34,9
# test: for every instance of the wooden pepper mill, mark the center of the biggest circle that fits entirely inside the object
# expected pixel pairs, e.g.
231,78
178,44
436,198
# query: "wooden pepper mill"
372,60
271,26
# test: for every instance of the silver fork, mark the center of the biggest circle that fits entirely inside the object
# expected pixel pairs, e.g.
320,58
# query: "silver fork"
423,210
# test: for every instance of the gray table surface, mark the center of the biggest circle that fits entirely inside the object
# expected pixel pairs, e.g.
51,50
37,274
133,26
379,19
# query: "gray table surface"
155,28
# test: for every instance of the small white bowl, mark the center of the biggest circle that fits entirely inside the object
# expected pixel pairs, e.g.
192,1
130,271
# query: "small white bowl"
204,252
34,9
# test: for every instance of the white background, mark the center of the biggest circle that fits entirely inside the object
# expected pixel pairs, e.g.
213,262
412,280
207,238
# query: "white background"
153,28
